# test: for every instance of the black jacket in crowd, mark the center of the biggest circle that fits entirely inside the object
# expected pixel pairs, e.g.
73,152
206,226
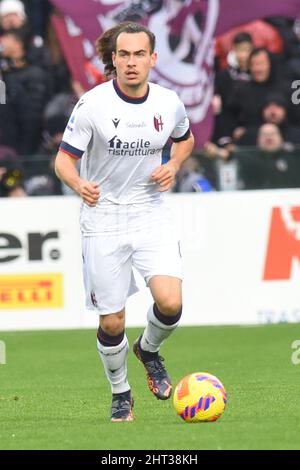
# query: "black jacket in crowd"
26,96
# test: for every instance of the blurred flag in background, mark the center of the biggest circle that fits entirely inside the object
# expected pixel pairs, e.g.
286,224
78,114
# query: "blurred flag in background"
185,31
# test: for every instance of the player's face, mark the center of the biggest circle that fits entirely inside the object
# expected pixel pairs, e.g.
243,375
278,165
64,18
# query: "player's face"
133,60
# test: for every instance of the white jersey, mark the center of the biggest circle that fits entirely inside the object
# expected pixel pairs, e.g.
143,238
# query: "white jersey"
120,140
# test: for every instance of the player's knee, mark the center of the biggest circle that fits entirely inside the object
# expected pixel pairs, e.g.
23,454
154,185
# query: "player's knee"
112,324
169,306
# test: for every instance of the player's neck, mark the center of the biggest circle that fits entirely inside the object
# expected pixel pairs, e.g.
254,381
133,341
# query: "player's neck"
133,92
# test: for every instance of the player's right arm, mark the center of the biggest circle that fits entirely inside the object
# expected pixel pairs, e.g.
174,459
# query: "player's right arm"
66,171
76,138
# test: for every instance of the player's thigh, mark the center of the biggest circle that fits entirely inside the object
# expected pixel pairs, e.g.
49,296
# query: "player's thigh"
157,247
107,274
158,260
167,293
155,257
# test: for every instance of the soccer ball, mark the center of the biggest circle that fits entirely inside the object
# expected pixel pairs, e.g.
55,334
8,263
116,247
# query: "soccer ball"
199,397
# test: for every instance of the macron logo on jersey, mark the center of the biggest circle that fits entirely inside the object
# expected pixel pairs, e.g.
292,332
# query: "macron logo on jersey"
115,122
139,147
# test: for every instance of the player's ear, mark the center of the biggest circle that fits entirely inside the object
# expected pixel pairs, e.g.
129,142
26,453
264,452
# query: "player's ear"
113,58
153,59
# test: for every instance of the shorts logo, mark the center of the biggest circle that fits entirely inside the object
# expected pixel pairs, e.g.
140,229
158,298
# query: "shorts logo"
93,299
158,123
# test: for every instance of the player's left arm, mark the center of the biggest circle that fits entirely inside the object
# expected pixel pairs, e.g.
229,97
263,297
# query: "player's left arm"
165,174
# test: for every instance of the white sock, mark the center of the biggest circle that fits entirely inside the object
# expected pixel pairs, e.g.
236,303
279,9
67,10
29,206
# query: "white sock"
115,364
155,332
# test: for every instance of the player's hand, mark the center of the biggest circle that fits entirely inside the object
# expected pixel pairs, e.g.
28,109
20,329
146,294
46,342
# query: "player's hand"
89,192
164,175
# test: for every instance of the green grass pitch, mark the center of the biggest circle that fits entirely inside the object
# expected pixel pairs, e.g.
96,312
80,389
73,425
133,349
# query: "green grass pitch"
53,393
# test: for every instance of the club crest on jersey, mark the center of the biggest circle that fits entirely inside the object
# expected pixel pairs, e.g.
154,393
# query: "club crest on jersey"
158,123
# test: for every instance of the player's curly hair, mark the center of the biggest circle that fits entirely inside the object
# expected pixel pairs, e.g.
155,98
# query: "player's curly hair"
106,44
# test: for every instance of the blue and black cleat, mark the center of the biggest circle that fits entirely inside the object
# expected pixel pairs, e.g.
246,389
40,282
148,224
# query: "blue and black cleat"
157,377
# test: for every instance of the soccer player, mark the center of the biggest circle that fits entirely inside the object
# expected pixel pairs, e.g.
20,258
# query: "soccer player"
119,130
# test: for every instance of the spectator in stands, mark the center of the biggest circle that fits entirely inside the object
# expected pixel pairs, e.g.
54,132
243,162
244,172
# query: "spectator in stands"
13,17
62,104
223,163
222,151
238,56
12,14
191,178
11,174
26,87
8,130
272,165
248,101
38,12
289,29
228,80
40,179
275,111
269,138
263,34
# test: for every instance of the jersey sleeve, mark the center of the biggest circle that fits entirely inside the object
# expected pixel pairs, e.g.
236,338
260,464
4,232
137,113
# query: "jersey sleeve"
78,132
182,129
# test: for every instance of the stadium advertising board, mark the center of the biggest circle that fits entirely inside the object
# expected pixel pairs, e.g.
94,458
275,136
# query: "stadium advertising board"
39,249
241,254
243,263
31,291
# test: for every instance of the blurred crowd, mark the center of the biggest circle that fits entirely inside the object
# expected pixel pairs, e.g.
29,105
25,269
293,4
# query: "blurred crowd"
40,95
256,139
